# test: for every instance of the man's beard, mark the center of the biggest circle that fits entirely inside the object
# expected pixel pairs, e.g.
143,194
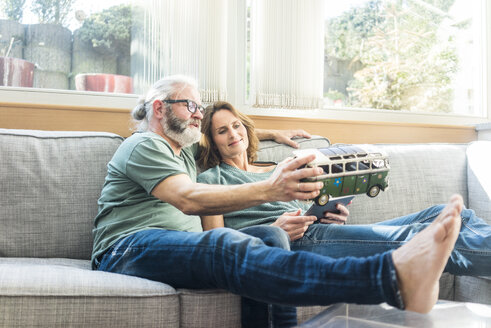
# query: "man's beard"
179,130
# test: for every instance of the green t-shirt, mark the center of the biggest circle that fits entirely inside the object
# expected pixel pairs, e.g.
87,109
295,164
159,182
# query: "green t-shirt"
266,213
126,205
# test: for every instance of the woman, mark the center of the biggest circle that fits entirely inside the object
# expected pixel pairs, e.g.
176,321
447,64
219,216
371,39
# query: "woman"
228,152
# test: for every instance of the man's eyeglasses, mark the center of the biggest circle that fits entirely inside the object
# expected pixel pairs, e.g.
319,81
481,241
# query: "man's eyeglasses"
192,105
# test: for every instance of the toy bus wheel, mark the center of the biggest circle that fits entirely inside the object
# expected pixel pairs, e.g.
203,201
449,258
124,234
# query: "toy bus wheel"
322,200
374,191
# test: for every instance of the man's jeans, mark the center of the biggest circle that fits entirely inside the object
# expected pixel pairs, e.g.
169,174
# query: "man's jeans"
471,255
257,314
245,265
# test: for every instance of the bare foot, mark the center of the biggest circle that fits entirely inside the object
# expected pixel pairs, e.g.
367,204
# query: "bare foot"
420,262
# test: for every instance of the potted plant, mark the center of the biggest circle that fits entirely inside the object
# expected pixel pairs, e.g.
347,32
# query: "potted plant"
101,51
14,71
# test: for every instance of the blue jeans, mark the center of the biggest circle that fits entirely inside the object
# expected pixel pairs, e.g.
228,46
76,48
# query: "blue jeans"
228,259
471,255
258,314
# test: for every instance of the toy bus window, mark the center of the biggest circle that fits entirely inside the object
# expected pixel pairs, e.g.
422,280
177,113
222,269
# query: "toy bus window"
351,166
325,168
364,165
337,168
377,163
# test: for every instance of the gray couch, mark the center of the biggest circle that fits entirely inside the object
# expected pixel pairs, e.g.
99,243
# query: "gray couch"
48,199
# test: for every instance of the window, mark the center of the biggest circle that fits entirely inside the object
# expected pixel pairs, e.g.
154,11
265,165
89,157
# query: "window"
337,168
69,45
325,168
378,164
356,59
411,55
351,166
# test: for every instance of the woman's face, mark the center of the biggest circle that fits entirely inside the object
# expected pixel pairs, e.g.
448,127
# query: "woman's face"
229,134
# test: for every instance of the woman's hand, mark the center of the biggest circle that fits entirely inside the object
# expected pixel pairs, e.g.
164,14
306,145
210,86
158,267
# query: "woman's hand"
294,223
333,218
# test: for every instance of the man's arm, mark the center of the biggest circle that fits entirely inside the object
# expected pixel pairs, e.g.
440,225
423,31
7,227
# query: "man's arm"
203,199
282,136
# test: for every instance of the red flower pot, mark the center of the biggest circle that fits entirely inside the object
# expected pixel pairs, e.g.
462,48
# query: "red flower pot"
104,83
16,72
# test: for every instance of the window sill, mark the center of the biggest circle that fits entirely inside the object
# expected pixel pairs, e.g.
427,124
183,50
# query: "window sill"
370,115
23,108
71,98
483,131
67,98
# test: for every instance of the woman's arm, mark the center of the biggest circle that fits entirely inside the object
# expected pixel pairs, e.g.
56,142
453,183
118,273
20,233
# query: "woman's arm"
212,221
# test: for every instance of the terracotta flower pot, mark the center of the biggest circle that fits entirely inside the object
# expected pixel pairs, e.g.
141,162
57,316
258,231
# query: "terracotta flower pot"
16,72
104,83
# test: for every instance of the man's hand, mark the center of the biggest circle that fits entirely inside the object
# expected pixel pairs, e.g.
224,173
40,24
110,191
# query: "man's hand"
294,223
282,136
285,136
284,184
333,218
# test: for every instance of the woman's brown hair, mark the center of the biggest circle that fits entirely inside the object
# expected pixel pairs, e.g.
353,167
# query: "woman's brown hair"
209,155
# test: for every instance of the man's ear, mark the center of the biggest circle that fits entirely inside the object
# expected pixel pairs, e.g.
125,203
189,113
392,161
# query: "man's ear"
158,109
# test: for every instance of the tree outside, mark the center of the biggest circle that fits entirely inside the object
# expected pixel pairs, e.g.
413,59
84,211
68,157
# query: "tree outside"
406,54
14,9
52,11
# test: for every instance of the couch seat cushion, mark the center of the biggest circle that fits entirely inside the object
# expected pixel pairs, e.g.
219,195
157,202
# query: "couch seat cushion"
64,292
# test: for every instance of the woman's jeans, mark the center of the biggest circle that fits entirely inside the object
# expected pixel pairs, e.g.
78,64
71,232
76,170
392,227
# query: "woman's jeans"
471,255
228,259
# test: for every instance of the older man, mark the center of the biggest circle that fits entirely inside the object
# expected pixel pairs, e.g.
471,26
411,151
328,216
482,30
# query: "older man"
147,224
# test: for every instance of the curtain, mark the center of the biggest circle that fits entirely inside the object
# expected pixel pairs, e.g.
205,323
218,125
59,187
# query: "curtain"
287,53
181,37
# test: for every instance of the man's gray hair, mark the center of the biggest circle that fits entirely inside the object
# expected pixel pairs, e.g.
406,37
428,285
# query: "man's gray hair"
160,90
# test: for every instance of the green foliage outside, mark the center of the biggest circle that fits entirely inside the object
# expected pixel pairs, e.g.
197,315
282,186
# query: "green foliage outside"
52,11
14,9
109,30
407,62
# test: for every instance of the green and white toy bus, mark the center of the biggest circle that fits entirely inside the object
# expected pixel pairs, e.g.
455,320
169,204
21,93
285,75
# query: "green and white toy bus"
348,170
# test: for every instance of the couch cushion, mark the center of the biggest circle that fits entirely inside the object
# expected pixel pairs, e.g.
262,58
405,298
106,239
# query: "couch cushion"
479,178
50,185
420,176
62,292
209,308
272,151
473,289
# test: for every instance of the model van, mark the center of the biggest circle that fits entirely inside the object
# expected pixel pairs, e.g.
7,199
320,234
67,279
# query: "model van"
348,170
